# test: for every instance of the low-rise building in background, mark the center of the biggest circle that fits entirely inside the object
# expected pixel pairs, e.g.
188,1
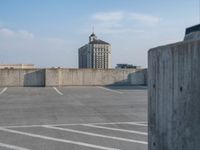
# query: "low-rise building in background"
16,66
127,66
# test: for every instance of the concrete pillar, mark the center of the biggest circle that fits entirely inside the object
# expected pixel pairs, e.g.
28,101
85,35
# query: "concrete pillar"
174,96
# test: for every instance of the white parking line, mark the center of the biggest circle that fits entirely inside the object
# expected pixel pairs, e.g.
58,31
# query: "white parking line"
57,91
107,89
58,140
131,123
3,90
71,124
139,124
12,147
97,135
115,129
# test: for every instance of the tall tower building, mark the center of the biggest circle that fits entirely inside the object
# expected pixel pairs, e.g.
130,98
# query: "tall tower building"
95,54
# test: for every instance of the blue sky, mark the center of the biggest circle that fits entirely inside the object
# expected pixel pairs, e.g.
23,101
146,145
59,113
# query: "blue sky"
49,32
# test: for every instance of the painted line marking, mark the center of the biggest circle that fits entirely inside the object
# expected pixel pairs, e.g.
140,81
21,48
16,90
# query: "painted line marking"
57,91
12,147
58,140
97,135
3,90
72,124
139,124
115,123
107,89
134,123
115,129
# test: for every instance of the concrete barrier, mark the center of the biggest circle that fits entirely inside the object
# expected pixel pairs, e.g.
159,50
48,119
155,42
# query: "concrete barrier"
138,77
174,96
64,77
22,77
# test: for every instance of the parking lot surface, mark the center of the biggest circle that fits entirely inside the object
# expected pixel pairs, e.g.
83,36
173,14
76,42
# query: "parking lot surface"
73,118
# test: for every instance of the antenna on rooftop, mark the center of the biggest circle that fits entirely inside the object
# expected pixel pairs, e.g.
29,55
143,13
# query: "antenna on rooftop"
92,29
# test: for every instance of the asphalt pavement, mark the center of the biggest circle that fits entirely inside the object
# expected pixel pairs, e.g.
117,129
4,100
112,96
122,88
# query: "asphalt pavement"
73,118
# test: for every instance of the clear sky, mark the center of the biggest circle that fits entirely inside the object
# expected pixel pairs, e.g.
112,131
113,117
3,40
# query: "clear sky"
49,32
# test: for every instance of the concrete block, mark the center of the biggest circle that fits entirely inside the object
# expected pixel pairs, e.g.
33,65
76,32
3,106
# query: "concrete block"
174,92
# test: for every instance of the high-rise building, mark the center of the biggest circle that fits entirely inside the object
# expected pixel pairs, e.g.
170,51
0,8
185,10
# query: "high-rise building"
95,54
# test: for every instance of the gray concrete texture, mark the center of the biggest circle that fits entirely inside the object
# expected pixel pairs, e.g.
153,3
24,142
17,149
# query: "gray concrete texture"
67,77
22,77
174,105
64,77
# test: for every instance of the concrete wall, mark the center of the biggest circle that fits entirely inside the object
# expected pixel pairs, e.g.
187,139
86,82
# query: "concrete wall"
64,77
174,96
22,77
138,77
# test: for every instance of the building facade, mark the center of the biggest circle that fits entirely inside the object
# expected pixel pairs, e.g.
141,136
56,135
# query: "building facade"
96,54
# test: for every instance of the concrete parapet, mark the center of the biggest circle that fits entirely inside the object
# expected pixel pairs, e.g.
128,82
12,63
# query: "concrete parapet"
138,77
65,77
174,96
22,77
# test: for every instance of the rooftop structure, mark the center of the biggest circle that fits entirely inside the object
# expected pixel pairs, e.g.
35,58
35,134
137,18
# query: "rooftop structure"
127,66
192,33
192,29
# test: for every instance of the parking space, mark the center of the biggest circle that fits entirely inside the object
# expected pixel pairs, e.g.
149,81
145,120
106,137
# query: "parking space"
74,118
